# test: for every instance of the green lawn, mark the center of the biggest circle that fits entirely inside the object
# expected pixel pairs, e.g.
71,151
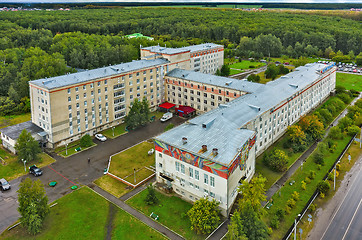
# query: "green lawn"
235,71
349,81
112,185
171,211
83,214
245,64
299,175
14,169
128,227
136,157
6,121
118,130
70,149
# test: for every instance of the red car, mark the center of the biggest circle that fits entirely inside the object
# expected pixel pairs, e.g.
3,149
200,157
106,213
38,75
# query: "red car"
286,63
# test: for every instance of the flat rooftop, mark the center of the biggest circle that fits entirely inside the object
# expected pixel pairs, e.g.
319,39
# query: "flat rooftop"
191,49
231,83
14,131
80,77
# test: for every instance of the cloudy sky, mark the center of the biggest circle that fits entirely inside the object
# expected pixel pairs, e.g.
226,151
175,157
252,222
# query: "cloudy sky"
186,1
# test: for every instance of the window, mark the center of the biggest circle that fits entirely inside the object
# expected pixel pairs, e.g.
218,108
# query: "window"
99,91
196,174
182,169
206,179
177,166
92,93
76,89
105,89
212,181
77,97
69,99
197,187
84,87
68,90
77,105
105,82
85,103
99,83
69,107
85,95
191,172
91,85
70,115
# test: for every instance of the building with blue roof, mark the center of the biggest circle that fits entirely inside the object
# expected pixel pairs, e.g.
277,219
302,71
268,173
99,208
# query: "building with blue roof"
209,155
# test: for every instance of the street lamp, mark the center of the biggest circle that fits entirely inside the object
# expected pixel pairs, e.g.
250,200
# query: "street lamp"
334,182
113,131
295,227
24,161
66,149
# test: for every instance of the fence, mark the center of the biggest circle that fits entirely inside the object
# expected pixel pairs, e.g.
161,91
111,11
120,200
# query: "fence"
316,193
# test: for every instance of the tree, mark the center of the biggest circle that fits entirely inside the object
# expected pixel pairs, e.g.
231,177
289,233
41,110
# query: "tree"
33,205
235,228
359,59
296,135
276,160
225,70
254,78
253,193
323,187
151,197
353,130
312,126
204,216
335,133
27,147
271,71
86,141
254,228
138,114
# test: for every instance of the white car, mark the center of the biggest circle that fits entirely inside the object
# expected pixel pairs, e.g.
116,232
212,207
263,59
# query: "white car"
166,116
100,137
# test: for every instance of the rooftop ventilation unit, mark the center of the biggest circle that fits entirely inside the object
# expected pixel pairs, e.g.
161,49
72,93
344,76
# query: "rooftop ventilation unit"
254,107
293,85
184,140
228,83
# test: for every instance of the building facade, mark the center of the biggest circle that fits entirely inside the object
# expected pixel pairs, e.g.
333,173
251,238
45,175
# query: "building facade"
70,106
222,144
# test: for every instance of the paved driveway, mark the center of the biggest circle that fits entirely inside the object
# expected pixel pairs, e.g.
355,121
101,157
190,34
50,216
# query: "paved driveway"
76,170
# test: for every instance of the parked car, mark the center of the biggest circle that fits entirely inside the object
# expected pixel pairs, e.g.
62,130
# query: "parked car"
35,171
100,137
5,185
286,63
166,116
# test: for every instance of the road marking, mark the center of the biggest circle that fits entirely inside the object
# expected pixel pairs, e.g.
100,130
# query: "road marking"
340,205
61,175
352,219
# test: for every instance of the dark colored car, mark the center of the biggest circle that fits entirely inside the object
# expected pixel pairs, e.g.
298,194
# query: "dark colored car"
35,171
5,185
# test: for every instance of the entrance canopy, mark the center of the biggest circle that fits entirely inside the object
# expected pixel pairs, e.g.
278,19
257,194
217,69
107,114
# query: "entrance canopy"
167,105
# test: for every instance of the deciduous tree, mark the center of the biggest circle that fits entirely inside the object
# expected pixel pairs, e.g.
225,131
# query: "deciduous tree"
33,205
27,147
253,192
204,216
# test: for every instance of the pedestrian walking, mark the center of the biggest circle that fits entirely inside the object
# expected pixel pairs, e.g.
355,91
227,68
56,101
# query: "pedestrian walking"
88,160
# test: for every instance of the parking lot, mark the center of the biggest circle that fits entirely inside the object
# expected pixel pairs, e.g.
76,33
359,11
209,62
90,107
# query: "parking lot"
76,169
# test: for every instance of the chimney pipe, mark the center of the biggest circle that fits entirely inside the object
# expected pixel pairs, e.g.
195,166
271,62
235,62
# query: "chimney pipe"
215,151
204,148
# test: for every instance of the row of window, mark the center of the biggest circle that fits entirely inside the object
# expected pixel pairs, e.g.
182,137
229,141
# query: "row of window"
91,86
193,173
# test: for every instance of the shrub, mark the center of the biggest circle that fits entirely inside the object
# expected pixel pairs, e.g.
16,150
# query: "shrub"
254,78
335,133
151,195
274,223
319,167
312,174
280,213
295,196
287,209
277,160
322,195
344,97
340,89
304,185
338,166
251,66
86,141
291,202
307,180
319,158
270,231
323,187
312,207
353,130
330,176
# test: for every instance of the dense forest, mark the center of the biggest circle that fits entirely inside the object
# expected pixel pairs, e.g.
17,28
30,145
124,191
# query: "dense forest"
38,44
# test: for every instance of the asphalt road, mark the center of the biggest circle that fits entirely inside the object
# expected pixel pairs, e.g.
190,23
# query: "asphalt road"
76,170
346,223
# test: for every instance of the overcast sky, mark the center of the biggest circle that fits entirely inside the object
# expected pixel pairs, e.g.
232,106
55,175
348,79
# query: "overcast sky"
186,1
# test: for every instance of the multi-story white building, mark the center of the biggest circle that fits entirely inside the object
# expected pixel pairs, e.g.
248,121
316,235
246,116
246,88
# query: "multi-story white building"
205,58
210,154
204,92
70,106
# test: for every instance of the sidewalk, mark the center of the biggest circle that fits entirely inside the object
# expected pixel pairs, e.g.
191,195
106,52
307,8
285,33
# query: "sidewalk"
146,220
